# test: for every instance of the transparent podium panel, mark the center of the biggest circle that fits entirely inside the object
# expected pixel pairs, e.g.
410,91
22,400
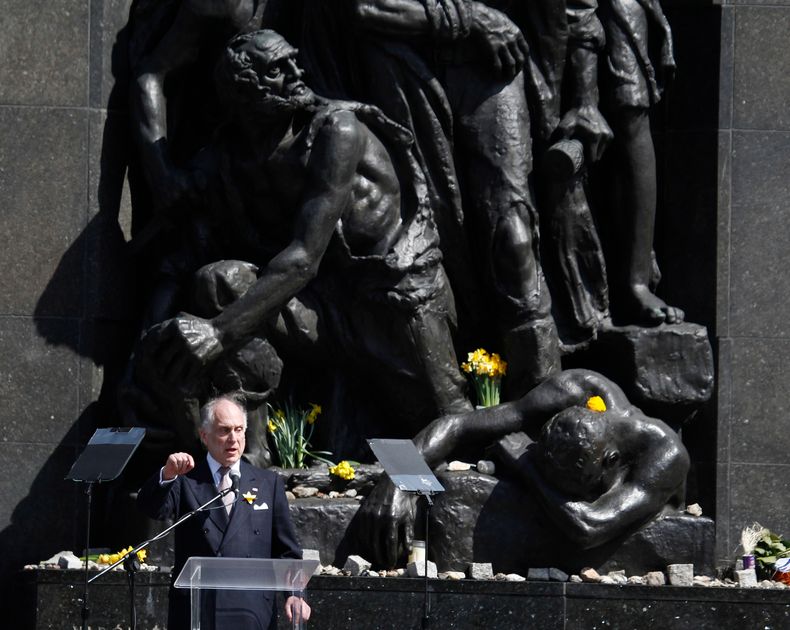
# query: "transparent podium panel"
204,575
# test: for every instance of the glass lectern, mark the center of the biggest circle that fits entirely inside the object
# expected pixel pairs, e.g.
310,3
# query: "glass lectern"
252,574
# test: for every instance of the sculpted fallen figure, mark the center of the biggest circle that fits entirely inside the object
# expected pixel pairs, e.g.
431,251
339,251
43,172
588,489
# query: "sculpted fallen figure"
598,474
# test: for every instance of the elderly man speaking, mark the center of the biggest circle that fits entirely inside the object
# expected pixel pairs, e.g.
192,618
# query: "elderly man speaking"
260,529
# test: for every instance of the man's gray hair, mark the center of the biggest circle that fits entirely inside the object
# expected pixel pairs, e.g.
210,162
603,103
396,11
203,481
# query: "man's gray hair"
207,410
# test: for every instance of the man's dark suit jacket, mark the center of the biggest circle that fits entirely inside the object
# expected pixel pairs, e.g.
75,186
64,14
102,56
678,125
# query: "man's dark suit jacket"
265,532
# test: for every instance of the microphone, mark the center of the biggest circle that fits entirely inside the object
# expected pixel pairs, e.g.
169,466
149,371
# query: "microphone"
234,484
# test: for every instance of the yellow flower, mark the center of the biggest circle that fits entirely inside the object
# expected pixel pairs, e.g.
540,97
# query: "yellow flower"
499,367
342,470
314,413
142,554
114,557
249,497
596,403
271,426
104,558
481,363
279,414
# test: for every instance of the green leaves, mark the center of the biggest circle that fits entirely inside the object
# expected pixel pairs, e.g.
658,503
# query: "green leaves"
769,549
291,428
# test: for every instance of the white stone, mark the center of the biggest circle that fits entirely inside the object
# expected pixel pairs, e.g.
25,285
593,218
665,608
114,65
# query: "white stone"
351,493
458,466
590,575
618,577
637,579
515,577
747,578
694,509
56,558
605,579
68,560
313,554
655,578
453,575
480,571
355,565
681,574
486,467
303,492
417,569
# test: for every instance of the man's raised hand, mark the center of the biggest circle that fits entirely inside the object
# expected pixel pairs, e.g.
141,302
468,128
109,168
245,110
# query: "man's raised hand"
177,464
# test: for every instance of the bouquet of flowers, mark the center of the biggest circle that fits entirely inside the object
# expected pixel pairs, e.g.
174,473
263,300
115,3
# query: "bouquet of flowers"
485,372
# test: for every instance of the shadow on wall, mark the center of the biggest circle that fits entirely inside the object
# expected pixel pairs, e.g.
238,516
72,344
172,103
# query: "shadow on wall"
48,519
94,281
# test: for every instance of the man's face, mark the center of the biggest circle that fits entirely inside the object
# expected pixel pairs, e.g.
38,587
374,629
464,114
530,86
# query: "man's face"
280,77
225,439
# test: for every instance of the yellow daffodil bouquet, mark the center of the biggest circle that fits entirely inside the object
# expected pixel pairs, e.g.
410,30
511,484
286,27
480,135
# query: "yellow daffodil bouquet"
343,470
112,558
291,429
485,372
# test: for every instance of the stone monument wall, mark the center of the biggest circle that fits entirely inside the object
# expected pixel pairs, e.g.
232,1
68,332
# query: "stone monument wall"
752,326
67,297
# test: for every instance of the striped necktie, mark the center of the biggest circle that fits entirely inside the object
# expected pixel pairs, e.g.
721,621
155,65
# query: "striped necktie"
224,482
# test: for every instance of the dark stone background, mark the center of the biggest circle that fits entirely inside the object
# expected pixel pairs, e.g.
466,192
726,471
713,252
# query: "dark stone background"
67,294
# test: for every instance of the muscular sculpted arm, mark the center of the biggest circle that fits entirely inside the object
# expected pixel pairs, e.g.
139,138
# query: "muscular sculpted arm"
148,104
187,344
583,120
336,154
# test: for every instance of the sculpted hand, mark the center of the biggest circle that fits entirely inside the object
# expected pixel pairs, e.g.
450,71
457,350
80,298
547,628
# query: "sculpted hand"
183,346
177,464
500,39
386,519
587,124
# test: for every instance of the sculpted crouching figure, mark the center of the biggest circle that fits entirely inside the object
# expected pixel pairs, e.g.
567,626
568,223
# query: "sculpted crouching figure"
348,269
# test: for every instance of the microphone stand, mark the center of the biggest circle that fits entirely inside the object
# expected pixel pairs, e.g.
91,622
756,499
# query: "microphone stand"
85,607
426,605
129,559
